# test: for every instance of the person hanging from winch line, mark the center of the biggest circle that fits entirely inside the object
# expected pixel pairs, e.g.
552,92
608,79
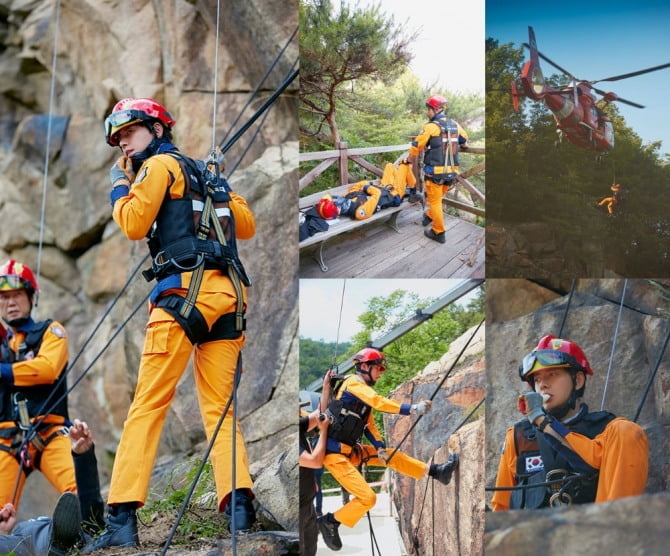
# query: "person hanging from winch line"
441,137
560,438
365,198
197,306
613,200
352,417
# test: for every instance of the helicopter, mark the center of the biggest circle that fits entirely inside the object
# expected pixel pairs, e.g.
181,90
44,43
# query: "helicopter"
579,115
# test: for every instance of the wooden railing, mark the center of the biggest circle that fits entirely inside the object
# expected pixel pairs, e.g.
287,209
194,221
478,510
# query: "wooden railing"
342,155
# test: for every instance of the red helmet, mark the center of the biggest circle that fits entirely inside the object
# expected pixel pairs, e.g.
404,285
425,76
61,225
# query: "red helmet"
437,103
130,111
17,276
371,356
326,208
554,352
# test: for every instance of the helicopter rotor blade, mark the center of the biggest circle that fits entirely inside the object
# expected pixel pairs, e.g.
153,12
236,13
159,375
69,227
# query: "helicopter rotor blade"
548,60
619,99
633,73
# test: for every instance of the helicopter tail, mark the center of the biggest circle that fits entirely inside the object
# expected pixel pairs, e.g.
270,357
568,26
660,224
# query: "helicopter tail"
515,96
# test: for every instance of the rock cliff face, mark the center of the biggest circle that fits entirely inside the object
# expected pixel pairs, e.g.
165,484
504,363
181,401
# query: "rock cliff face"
513,329
108,50
438,519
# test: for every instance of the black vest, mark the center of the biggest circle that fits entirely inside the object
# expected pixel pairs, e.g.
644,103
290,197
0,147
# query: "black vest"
173,241
436,148
350,417
535,458
35,395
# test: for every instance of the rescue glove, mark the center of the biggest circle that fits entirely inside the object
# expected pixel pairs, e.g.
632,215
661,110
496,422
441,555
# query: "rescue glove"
122,172
530,404
422,407
382,454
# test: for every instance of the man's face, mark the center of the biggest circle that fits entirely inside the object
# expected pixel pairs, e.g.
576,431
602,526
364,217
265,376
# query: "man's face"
555,381
134,139
376,371
431,113
14,304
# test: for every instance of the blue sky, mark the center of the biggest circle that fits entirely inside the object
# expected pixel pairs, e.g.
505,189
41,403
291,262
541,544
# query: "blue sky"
320,302
595,39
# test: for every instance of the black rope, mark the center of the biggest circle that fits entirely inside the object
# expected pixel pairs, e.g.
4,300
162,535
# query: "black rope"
546,483
282,87
439,386
653,375
373,538
210,446
567,308
255,91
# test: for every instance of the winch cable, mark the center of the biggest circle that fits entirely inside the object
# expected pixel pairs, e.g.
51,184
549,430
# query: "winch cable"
253,137
205,457
439,387
567,308
47,150
652,376
260,84
614,339
216,74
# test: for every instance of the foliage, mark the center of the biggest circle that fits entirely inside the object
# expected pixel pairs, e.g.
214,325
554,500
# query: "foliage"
534,179
170,501
316,357
339,46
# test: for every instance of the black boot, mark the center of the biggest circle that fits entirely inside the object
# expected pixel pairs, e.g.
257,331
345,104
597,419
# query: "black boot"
426,220
121,529
65,524
328,526
414,197
245,516
440,238
442,471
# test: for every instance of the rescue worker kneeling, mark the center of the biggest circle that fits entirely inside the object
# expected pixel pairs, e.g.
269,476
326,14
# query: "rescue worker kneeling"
365,198
351,412
595,456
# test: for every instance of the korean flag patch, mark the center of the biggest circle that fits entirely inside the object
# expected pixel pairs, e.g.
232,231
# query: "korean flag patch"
534,463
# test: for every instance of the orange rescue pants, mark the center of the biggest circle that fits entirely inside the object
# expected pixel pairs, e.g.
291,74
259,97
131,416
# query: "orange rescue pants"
56,464
344,469
611,203
434,194
166,354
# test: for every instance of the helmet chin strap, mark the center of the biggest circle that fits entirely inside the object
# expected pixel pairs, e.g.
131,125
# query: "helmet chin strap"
562,410
368,379
18,323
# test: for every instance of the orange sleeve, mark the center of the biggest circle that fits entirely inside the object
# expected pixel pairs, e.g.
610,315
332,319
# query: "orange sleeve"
136,212
506,473
369,207
368,396
46,366
245,224
429,130
621,454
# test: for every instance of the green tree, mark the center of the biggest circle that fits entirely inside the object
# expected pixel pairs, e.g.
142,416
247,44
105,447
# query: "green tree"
340,46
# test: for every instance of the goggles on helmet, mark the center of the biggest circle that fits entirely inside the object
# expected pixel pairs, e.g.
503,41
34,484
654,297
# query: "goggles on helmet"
9,282
121,118
548,358
379,361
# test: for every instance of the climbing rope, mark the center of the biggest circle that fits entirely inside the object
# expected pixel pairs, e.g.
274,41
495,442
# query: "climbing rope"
616,333
216,73
339,323
567,308
52,88
439,387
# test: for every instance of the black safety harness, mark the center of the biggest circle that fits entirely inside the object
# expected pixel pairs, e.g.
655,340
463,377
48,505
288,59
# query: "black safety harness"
442,151
537,463
349,418
20,404
195,233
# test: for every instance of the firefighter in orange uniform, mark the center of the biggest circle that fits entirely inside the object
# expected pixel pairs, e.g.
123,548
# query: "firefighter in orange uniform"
441,138
365,198
351,414
612,201
33,356
198,306
601,457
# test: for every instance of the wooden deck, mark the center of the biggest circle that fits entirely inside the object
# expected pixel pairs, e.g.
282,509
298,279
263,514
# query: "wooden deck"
377,251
